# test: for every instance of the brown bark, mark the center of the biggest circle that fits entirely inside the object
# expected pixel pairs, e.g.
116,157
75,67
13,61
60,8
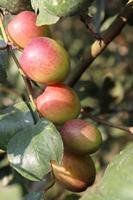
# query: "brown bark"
98,46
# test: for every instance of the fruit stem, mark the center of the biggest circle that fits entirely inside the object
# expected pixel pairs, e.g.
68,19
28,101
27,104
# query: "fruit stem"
3,30
25,79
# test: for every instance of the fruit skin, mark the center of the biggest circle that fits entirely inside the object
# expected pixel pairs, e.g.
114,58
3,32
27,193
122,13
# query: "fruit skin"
75,173
65,8
22,28
15,6
58,103
81,137
45,61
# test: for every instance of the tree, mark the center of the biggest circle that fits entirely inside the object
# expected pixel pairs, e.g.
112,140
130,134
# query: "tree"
50,107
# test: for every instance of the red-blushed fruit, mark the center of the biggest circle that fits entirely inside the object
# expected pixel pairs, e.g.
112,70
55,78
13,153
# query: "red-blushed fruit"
76,173
22,28
81,137
45,61
58,103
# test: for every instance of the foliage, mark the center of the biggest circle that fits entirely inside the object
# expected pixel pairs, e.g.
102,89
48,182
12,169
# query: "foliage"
31,150
51,11
17,117
117,181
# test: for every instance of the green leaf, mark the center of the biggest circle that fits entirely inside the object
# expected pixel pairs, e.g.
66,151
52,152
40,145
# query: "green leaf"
44,17
50,11
10,192
117,182
12,120
34,196
31,150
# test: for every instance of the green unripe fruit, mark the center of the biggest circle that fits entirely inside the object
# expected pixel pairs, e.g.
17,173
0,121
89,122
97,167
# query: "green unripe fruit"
75,173
58,103
81,137
15,6
63,8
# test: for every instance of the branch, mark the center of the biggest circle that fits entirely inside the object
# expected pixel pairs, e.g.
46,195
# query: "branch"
106,123
98,46
26,80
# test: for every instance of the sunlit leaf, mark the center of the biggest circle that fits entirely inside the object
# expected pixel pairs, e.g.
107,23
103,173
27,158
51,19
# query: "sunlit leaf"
117,182
12,120
31,150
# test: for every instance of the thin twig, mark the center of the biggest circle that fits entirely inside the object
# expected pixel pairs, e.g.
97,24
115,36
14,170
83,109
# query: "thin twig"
3,30
26,80
98,47
107,123
3,48
9,90
110,111
27,84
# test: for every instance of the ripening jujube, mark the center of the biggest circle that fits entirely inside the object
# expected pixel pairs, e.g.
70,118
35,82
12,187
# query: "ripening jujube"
58,103
45,61
75,173
22,28
81,137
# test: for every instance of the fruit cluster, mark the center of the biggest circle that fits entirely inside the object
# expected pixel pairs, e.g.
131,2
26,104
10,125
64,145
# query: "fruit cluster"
45,61
77,171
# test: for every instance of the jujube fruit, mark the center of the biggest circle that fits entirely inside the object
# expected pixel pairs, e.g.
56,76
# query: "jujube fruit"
45,61
81,137
22,28
75,173
58,103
